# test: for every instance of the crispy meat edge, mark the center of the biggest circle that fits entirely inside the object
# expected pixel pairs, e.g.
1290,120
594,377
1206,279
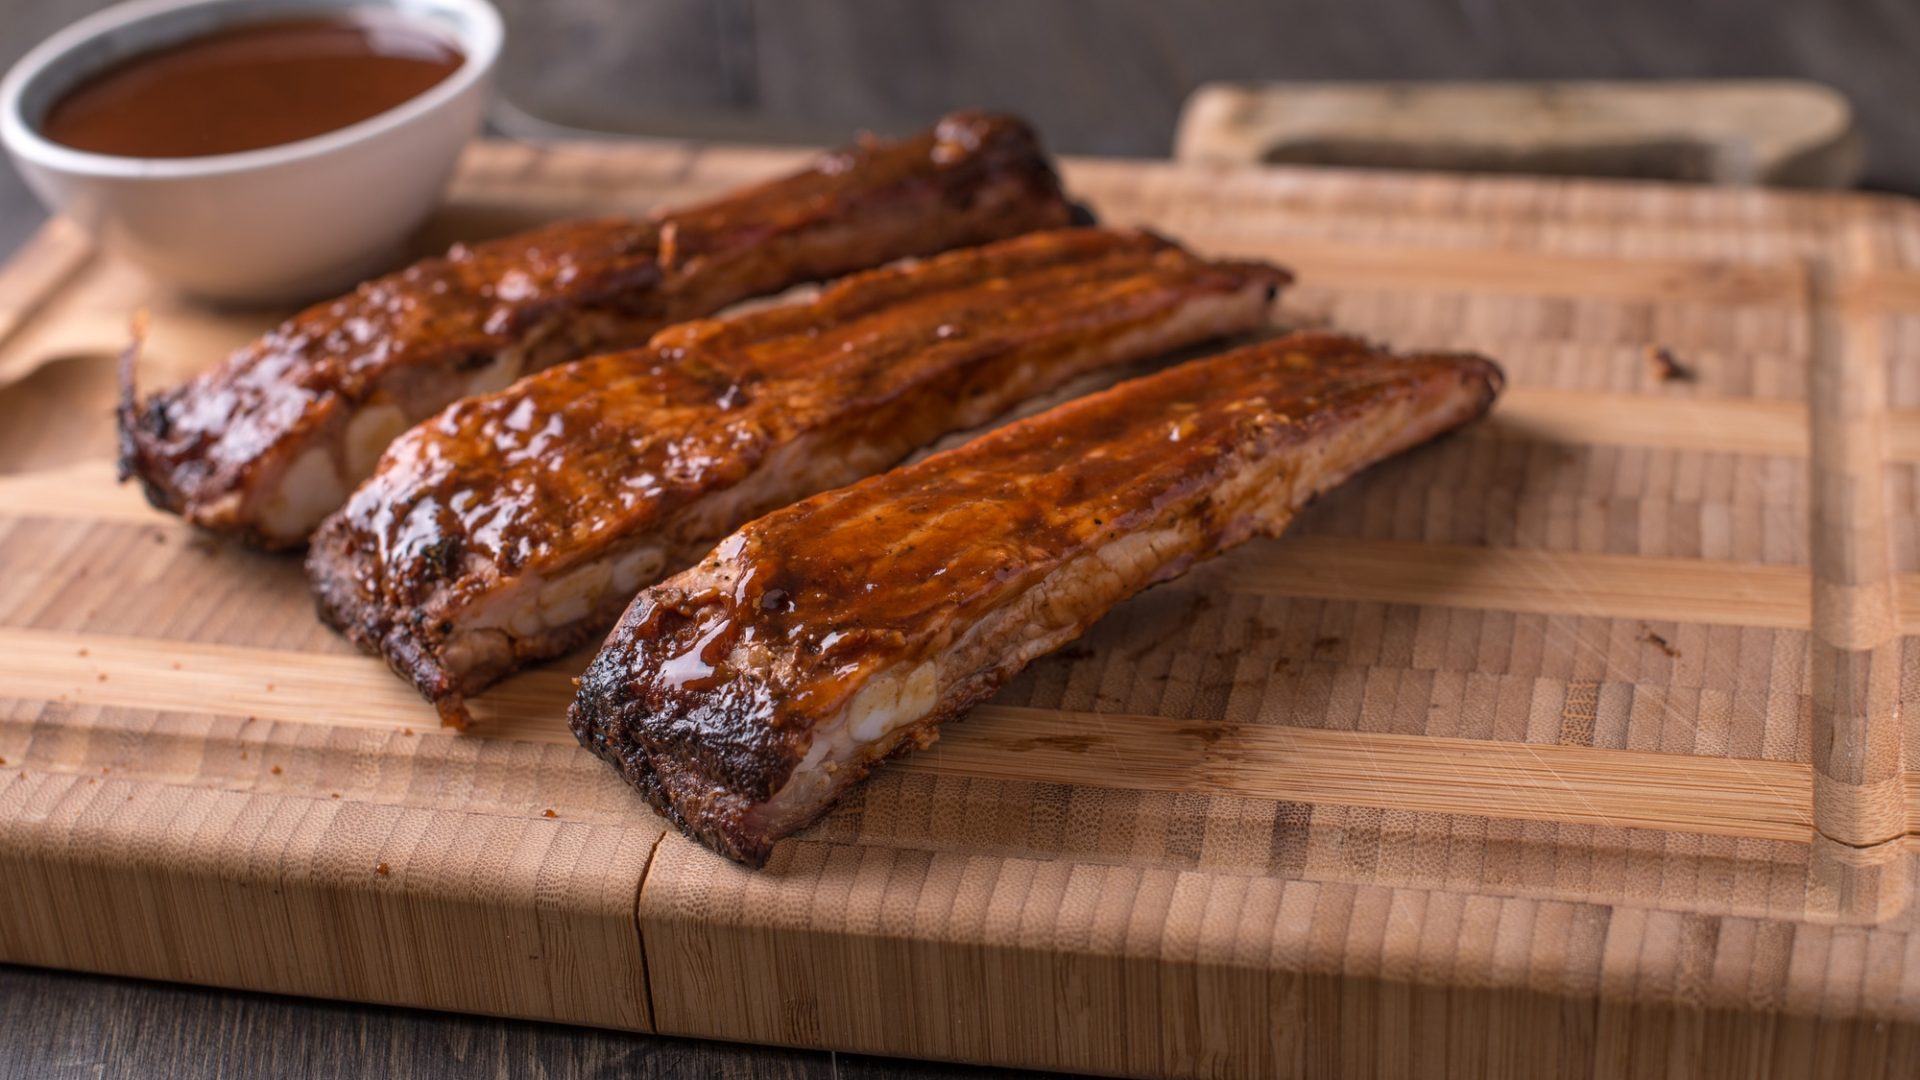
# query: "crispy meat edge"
709,807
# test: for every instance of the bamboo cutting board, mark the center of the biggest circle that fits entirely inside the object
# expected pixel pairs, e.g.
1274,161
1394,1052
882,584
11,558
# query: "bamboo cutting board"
1576,744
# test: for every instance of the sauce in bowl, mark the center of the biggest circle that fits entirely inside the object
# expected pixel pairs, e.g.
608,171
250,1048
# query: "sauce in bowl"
252,86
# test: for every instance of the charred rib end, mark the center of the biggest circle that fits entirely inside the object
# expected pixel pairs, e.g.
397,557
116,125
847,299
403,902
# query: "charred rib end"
1495,378
342,603
337,599
139,426
703,807
130,415
416,662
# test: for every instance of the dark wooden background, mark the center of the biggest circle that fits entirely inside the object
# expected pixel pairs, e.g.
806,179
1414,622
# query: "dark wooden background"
1098,77
63,1026
1108,76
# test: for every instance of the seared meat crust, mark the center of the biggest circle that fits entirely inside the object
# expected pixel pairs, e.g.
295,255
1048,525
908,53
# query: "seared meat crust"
268,442
742,696
514,527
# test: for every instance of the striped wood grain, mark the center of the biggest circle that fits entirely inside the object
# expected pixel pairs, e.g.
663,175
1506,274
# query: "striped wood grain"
1571,744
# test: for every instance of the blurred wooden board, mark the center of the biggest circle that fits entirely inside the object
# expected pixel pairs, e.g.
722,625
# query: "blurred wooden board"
1778,132
1577,743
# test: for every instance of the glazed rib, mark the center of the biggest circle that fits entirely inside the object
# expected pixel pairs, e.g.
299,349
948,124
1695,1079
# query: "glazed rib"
269,442
744,695
514,527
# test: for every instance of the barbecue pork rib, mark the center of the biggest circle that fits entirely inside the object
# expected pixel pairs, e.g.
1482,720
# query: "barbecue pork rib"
744,695
514,527
269,442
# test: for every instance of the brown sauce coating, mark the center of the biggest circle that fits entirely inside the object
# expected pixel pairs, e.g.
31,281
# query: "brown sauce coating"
716,683
474,512
523,478
252,86
869,573
209,448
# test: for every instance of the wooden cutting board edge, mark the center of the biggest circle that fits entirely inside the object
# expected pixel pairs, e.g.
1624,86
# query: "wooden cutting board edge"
442,945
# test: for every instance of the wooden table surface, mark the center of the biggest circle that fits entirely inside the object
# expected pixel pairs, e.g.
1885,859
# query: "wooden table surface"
1477,881
1640,819
62,1025
59,1024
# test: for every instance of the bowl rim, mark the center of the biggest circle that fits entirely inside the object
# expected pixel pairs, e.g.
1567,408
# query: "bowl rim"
479,33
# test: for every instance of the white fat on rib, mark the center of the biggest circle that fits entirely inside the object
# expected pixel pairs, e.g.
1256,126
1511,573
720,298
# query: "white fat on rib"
308,491
536,604
1039,620
889,702
368,434
498,375
533,606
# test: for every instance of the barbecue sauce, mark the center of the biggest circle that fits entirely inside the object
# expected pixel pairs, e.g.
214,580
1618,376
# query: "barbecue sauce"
258,85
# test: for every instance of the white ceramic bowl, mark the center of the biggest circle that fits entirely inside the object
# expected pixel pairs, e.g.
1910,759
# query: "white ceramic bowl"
288,222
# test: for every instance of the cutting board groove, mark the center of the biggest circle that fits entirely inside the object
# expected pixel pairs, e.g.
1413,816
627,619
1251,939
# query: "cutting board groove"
1575,743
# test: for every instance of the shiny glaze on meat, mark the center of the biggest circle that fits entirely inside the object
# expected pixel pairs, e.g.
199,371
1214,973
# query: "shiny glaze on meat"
266,443
448,559
743,695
